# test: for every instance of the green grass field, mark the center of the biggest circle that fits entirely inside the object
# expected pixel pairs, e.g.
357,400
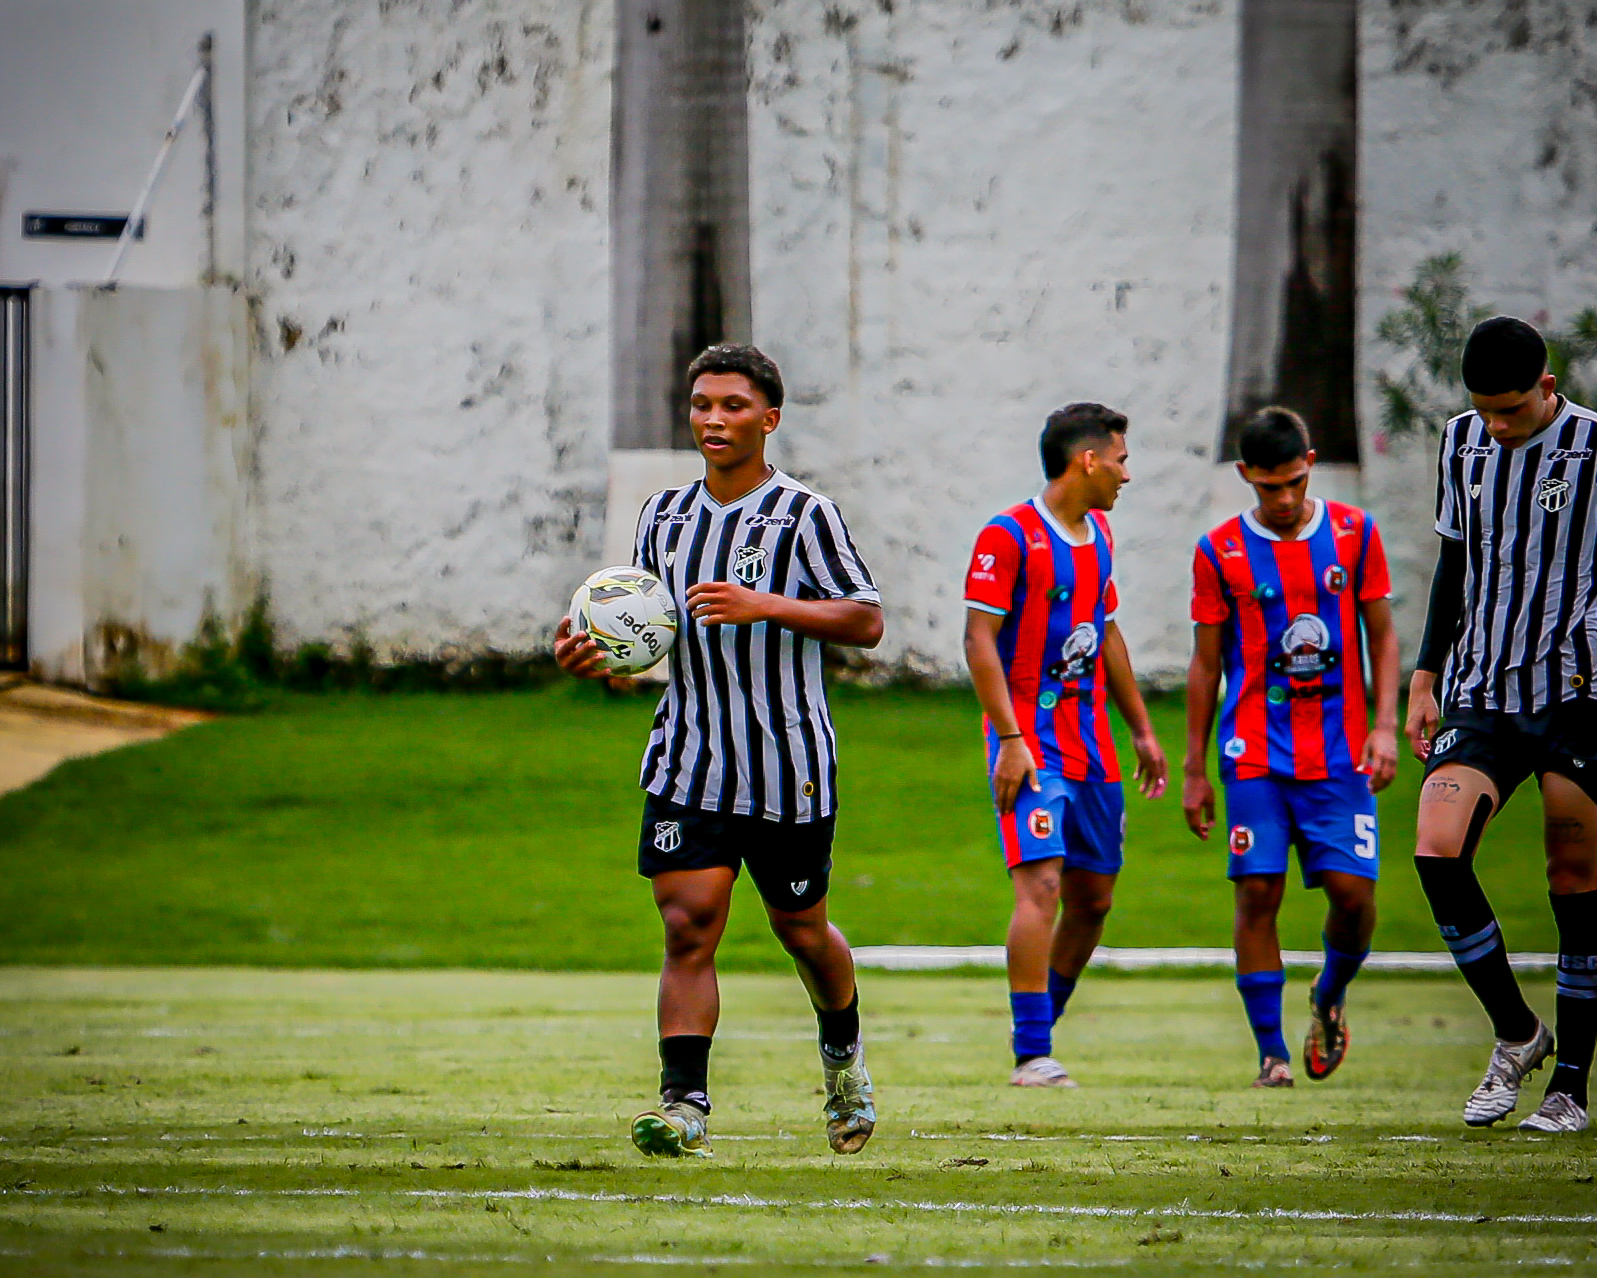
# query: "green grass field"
500,830
213,1121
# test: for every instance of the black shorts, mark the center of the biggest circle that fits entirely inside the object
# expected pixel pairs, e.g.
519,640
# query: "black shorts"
789,861
1509,748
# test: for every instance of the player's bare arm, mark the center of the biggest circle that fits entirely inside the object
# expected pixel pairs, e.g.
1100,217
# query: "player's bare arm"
1015,766
1442,619
1379,759
1203,694
1153,772
850,622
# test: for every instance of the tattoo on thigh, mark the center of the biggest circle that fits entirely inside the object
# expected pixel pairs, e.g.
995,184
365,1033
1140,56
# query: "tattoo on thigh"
1565,830
1441,790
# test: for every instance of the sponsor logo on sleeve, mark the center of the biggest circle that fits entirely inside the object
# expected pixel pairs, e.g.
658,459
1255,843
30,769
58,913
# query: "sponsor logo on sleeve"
770,521
1570,454
1476,450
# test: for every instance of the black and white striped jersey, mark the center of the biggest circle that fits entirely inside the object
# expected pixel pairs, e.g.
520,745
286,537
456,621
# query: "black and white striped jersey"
1528,636
744,726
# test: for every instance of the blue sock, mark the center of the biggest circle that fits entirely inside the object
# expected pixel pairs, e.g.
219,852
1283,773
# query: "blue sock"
1340,968
1060,988
1261,995
1034,1025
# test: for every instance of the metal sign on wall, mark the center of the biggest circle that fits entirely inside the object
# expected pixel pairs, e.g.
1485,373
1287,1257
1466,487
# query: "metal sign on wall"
77,226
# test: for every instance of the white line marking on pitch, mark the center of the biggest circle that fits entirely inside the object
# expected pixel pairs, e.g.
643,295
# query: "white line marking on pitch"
1179,1211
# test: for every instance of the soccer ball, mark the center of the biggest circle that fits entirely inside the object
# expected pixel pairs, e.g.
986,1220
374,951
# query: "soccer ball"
631,616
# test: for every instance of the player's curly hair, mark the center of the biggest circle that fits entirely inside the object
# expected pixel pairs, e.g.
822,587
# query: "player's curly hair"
751,361
1074,427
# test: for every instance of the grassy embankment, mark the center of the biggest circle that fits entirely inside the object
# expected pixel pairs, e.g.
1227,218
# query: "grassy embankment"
500,830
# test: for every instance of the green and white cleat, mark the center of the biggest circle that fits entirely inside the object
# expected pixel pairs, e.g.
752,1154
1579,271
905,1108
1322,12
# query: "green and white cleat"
850,1104
678,1130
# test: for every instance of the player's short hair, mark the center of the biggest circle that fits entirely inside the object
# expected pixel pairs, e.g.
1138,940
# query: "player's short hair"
1503,355
1074,427
751,361
1273,437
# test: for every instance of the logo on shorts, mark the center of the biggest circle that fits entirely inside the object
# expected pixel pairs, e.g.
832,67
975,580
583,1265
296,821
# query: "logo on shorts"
1305,649
668,835
1040,823
798,888
1241,840
1552,495
1235,748
1075,658
748,563
1336,579
1445,742
1474,490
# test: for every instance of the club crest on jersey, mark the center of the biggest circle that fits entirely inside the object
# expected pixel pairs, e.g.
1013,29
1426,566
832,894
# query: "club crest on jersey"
1552,494
1040,823
748,563
668,835
1335,579
1445,742
1241,840
1075,659
1305,649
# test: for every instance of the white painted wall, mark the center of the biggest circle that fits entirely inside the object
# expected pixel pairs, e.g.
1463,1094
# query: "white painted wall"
429,214
139,488
966,214
88,89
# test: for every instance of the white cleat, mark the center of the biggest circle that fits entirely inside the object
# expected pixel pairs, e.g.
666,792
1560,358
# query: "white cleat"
850,1104
1041,1071
1558,1113
1510,1065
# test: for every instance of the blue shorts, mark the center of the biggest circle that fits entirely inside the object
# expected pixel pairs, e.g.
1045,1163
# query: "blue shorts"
1082,821
1332,823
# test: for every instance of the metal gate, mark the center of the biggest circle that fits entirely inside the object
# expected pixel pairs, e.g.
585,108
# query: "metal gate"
14,424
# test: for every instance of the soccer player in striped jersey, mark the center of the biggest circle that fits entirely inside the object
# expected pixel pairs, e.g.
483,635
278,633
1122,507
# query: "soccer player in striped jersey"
741,766
1279,596
1513,624
1045,655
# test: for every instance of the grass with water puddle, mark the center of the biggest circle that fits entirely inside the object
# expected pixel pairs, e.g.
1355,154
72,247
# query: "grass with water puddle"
221,1121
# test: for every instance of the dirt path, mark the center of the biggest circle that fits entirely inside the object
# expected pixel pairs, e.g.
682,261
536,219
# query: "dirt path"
40,726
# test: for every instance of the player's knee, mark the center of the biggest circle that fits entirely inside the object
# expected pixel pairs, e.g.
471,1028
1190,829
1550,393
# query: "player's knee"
798,935
1091,907
689,934
1038,887
1258,900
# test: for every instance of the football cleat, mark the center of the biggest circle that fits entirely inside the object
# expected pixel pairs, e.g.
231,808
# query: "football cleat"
1041,1071
1511,1063
677,1130
1558,1113
850,1104
1327,1040
1274,1072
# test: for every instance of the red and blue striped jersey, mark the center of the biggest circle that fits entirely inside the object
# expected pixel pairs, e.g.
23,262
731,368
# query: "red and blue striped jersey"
1295,700
1056,599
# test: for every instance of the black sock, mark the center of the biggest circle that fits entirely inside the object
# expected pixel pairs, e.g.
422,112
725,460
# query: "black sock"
840,1031
685,1070
1577,993
1468,926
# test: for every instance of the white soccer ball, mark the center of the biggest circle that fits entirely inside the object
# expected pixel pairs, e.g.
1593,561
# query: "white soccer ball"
631,616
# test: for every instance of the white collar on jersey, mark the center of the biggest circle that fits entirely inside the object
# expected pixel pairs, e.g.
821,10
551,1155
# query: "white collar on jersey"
1048,517
1309,529
774,477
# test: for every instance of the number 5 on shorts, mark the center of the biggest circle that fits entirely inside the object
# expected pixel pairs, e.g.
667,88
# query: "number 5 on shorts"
1364,835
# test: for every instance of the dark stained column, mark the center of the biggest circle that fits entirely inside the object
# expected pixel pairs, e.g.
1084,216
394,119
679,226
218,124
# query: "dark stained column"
680,206
1292,316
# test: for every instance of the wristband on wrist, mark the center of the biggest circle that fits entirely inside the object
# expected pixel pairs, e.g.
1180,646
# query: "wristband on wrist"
1010,736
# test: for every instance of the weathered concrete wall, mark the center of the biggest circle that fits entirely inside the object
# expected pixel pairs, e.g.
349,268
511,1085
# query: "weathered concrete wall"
1480,136
966,214
429,208
140,475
